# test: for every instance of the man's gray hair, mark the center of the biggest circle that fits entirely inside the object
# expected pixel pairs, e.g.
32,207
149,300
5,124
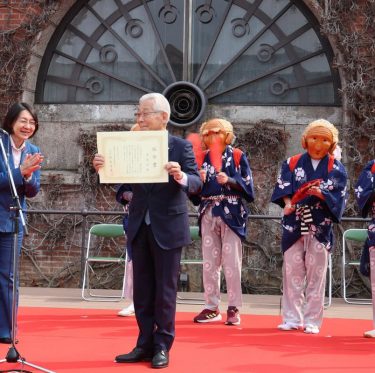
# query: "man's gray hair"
160,102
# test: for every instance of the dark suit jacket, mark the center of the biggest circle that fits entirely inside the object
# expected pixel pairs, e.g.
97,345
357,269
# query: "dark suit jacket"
166,202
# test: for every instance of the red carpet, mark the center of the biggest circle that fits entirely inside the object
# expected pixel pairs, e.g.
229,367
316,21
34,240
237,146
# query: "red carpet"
80,341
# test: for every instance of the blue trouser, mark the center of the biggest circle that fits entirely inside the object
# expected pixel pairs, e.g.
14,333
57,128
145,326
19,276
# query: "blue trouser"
6,282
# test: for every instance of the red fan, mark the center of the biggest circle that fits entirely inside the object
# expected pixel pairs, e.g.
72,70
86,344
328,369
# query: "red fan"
195,140
215,154
301,193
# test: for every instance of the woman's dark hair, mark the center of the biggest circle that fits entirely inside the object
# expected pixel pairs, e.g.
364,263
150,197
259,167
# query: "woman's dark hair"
13,113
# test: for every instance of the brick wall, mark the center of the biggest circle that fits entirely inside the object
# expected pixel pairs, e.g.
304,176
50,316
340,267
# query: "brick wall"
14,12
52,251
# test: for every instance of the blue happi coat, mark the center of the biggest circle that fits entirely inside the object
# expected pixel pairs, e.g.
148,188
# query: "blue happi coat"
227,202
365,195
324,213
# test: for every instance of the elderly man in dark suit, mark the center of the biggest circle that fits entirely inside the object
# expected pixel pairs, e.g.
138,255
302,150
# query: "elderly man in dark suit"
158,229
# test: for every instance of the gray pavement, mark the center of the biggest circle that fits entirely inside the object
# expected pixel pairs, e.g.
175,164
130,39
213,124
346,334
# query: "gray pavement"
252,304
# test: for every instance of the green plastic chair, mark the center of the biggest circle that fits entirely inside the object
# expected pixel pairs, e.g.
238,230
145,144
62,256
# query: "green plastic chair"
106,231
194,233
357,235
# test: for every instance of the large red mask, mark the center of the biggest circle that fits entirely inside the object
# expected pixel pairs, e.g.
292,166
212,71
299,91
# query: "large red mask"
216,134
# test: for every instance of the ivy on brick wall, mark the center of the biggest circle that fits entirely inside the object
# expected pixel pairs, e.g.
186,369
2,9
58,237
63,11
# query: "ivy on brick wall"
16,42
265,144
90,186
350,24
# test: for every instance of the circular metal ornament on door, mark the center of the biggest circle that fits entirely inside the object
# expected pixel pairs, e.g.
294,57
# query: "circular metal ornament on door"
187,101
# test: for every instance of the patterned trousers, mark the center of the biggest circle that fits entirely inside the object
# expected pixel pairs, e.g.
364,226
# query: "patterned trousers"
304,278
372,278
221,247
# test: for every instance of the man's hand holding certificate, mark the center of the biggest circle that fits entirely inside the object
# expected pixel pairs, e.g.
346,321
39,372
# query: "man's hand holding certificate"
133,157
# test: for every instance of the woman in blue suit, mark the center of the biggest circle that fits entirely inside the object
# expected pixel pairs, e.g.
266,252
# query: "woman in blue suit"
20,123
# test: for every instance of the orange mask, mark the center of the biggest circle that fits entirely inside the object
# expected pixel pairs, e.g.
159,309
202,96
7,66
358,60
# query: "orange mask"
319,142
214,132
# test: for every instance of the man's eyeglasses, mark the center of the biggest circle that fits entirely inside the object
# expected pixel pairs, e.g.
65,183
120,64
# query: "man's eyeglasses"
145,115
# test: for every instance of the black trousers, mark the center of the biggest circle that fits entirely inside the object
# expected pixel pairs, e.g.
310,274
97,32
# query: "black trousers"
155,289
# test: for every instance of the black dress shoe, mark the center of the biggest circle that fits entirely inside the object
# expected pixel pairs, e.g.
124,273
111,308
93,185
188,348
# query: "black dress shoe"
6,340
134,356
160,360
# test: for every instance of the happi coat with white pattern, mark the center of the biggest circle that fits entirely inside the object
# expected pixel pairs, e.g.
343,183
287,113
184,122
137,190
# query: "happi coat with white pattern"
324,213
230,202
365,195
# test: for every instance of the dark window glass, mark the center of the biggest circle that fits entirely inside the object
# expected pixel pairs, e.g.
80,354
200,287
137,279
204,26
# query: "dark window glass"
257,52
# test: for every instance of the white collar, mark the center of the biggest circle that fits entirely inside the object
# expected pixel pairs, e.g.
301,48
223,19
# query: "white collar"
23,146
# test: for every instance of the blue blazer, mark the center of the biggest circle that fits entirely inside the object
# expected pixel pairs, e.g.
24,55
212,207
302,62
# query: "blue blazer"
24,188
166,202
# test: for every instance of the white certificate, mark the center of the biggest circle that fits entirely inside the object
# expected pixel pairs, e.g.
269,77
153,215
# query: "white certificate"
133,156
